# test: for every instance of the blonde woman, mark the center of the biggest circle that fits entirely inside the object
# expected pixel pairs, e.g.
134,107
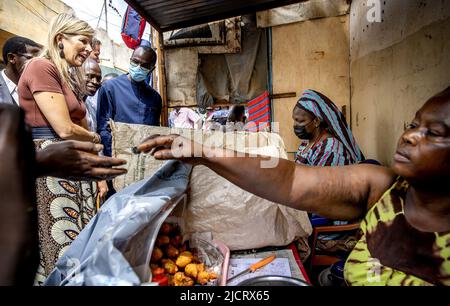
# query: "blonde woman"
50,92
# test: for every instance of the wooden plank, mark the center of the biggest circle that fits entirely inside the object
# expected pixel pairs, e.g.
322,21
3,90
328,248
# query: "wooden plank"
162,81
227,104
283,95
220,103
181,106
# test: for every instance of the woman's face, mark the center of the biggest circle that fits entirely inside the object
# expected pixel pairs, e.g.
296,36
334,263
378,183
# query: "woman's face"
304,123
76,49
423,151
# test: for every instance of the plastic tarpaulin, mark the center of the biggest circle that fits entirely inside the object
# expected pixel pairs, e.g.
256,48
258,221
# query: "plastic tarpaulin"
115,247
235,77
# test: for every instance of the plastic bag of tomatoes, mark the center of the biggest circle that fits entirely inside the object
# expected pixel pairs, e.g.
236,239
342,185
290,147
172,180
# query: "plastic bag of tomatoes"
196,261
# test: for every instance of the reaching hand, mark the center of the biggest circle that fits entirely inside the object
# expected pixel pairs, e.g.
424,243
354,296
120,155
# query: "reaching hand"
77,160
171,147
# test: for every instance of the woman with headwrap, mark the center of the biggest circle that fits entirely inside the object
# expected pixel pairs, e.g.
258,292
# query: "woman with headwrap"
326,137
326,141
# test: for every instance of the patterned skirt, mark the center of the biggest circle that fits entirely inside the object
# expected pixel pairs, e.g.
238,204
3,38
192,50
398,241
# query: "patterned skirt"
64,209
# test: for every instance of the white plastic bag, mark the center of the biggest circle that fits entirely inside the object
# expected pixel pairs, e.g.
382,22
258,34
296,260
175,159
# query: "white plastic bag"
115,247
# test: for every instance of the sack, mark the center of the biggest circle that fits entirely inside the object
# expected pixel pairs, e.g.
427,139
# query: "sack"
236,217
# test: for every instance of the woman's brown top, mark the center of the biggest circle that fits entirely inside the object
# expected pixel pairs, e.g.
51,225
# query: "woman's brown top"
41,75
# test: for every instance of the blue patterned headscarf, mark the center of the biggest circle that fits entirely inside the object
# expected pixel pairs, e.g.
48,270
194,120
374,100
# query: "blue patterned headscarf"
323,108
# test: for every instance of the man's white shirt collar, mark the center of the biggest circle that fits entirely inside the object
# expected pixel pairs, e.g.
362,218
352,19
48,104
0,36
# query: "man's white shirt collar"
12,88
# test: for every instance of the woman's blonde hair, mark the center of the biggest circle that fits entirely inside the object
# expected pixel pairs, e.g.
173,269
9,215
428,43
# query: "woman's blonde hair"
67,24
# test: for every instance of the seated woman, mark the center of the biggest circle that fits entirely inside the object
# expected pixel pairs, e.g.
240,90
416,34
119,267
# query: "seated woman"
404,209
326,141
326,138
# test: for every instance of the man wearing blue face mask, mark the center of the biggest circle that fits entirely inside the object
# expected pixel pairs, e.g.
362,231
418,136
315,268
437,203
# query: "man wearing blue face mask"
128,98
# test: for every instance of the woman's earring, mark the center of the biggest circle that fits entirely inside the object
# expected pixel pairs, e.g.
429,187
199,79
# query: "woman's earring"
61,50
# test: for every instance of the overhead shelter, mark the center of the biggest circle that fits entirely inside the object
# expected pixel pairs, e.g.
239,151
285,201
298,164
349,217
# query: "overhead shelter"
166,15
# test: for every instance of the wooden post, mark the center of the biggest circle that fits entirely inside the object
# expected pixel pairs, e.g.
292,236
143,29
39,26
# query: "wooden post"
162,81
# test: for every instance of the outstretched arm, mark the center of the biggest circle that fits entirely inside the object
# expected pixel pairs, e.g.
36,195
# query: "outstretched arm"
342,193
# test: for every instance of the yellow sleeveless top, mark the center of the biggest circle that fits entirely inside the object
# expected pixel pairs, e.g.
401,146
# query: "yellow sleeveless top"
392,252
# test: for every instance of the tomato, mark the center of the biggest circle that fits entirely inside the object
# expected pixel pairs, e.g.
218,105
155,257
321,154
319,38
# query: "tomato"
157,271
161,279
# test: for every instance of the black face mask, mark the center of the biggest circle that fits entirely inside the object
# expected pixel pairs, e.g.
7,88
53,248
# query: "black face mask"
300,132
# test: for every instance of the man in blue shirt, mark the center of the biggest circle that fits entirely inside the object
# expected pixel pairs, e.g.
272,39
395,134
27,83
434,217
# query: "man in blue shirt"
128,98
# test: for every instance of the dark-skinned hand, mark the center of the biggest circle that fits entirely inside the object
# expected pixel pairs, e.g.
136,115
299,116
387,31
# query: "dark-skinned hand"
171,147
77,160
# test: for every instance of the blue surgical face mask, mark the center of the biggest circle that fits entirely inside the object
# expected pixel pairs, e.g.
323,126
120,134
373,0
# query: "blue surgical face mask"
138,73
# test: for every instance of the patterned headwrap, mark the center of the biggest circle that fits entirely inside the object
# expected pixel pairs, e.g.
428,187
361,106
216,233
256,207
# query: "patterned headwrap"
323,108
